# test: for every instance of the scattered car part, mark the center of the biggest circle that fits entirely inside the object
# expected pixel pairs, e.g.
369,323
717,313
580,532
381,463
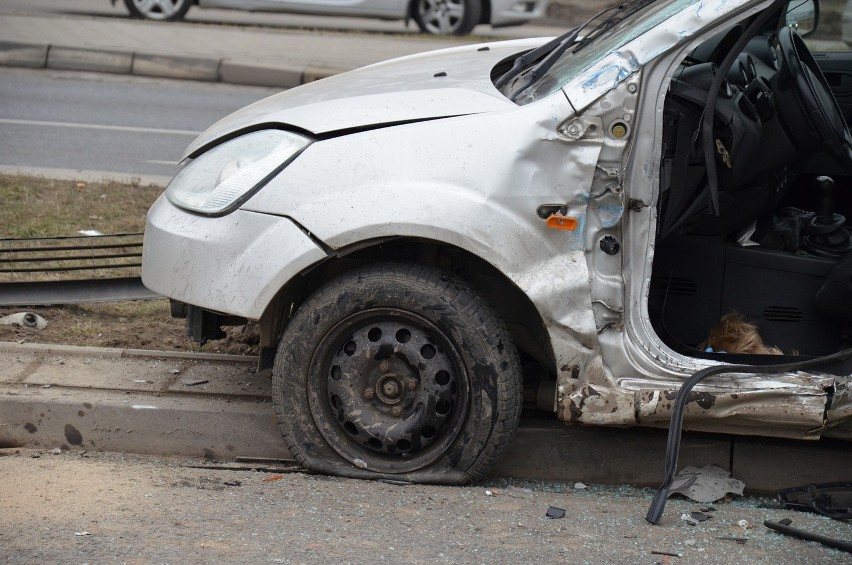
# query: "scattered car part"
25,320
783,526
829,499
553,512
658,504
705,484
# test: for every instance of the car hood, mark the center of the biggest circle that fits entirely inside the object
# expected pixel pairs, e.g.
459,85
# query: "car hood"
437,84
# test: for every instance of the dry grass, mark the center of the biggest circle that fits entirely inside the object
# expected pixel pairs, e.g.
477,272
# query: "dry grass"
38,207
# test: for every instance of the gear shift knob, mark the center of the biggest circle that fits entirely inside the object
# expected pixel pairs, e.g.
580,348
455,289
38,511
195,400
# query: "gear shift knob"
825,200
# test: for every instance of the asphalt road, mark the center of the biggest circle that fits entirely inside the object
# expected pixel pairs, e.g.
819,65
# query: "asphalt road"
55,120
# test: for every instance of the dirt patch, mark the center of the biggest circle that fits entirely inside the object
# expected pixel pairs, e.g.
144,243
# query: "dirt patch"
131,325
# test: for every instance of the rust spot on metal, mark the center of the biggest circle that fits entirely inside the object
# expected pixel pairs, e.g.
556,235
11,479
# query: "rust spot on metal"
705,400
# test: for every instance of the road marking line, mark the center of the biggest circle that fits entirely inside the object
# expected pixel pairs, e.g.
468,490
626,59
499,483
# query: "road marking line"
99,126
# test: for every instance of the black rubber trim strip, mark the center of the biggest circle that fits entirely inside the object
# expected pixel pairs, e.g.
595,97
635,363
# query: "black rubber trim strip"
809,536
658,505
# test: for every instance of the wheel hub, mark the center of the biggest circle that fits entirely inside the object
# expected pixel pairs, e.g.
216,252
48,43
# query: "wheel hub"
392,386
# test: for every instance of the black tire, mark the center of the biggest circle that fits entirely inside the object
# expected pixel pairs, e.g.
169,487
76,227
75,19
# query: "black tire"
447,17
162,10
397,371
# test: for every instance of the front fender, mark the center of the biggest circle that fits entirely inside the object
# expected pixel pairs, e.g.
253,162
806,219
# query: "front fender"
474,182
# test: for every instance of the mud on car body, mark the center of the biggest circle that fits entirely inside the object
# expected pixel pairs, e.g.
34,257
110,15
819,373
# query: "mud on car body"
423,239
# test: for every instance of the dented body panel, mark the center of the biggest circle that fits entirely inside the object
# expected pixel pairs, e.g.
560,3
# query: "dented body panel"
426,149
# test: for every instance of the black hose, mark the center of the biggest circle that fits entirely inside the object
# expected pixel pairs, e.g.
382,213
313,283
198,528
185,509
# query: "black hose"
787,530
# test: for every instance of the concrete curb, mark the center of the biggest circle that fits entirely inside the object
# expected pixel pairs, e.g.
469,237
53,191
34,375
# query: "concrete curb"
39,56
114,353
105,420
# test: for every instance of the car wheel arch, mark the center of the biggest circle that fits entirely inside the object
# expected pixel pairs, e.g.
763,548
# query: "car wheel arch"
524,322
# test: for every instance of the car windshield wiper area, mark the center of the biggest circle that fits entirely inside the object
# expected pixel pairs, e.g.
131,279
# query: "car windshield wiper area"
541,59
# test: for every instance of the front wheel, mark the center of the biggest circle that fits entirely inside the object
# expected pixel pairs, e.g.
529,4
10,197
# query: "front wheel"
397,371
447,17
163,10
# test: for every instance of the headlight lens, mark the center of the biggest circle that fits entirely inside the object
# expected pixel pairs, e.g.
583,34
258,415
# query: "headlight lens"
220,180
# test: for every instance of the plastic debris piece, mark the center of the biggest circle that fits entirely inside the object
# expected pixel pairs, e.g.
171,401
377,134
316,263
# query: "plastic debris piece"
395,482
82,534
233,483
740,541
90,233
689,519
829,499
553,512
667,553
273,478
705,484
699,516
579,486
56,451
489,493
24,320
743,524
45,386
194,382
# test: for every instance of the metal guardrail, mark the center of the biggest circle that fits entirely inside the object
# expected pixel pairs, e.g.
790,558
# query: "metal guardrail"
44,271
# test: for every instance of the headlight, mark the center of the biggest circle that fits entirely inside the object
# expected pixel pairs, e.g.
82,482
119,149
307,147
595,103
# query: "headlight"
226,176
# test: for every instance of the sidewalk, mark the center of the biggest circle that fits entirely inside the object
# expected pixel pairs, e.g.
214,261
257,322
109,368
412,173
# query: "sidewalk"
219,407
237,55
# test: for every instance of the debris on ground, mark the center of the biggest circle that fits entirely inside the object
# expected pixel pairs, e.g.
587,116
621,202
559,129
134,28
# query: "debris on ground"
829,499
194,382
783,527
705,484
24,320
553,512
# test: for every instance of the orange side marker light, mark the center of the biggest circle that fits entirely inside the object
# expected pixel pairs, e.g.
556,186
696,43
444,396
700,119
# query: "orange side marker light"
561,223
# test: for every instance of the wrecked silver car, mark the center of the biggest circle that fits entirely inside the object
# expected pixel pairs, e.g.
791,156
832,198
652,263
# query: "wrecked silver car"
428,240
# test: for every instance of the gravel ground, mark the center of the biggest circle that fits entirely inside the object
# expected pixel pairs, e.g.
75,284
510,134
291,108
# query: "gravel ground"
112,508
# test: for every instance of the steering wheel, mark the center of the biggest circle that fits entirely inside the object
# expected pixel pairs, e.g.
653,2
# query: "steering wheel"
808,106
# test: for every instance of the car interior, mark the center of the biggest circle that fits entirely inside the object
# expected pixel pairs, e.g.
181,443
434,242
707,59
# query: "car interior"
769,238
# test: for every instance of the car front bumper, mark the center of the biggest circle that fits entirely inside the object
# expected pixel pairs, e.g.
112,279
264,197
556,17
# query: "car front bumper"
234,264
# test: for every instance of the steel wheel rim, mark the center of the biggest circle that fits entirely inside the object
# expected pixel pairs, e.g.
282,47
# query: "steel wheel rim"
391,395
441,16
158,9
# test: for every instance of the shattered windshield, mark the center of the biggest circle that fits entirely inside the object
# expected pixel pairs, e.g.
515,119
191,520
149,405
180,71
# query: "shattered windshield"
577,59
